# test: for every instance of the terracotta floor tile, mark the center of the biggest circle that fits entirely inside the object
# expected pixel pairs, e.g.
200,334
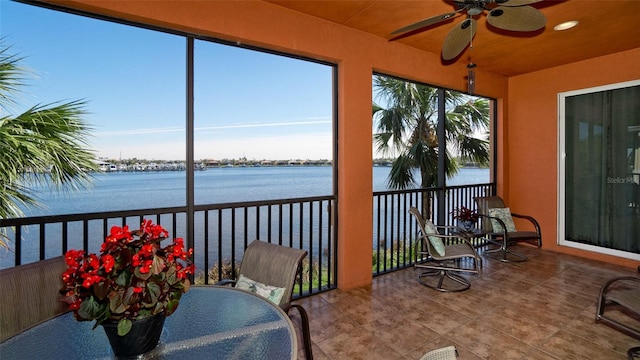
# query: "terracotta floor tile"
543,308
566,345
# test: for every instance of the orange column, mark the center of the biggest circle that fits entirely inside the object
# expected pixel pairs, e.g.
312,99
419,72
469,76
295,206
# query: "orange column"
355,170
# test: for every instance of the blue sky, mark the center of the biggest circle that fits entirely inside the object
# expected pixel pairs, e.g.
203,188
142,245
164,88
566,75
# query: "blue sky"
247,103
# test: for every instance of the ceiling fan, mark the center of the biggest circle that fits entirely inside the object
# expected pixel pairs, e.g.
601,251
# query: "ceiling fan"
511,15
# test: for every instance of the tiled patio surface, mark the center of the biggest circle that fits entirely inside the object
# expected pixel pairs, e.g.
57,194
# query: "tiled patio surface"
540,309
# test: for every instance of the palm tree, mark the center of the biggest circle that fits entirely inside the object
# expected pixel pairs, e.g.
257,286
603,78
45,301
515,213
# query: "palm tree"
406,131
46,144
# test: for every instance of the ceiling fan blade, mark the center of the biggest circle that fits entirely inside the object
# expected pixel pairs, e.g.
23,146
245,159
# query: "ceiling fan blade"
426,22
515,2
458,38
522,18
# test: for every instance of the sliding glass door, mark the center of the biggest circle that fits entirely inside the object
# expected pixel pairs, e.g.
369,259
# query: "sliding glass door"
600,169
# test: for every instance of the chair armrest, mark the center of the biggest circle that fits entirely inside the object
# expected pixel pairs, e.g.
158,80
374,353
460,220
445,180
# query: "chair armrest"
224,282
465,240
614,280
530,218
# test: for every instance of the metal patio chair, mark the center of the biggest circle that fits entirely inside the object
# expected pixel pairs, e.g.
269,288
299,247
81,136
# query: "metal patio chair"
497,224
443,262
276,267
619,304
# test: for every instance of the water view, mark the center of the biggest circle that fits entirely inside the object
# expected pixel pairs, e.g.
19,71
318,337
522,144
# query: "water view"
151,190
144,190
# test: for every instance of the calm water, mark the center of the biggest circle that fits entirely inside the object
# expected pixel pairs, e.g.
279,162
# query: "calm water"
143,190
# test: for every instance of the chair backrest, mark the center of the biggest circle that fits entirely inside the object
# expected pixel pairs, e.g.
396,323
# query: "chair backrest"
416,213
30,294
273,265
422,222
484,204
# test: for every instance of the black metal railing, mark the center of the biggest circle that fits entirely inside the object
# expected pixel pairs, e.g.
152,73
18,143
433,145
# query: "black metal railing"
221,233
395,231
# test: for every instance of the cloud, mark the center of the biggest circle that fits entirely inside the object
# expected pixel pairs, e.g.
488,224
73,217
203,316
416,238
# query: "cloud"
289,141
165,130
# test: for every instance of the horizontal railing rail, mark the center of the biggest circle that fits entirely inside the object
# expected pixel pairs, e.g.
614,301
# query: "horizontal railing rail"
395,231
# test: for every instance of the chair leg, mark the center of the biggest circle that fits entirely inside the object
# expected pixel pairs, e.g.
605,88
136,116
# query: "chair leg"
442,276
306,334
504,252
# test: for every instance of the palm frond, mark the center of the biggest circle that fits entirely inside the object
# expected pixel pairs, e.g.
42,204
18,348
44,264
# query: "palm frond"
406,124
46,144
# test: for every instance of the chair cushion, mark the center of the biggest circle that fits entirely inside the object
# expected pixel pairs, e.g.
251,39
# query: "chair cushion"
271,293
435,241
503,214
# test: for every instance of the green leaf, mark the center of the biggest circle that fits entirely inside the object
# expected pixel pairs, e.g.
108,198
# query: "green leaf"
124,279
172,305
91,309
157,265
124,326
101,290
116,304
153,291
130,297
172,275
140,275
145,313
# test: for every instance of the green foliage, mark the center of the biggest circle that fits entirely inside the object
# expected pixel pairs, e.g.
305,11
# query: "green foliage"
393,257
406,130
45,144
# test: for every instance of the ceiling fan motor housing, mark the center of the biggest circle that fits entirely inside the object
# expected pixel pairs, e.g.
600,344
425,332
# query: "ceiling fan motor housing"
473,7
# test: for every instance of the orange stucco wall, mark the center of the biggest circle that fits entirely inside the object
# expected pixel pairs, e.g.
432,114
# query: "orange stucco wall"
533,137
357,55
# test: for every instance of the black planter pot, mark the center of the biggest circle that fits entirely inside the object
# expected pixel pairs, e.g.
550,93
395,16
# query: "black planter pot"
143,336
466,225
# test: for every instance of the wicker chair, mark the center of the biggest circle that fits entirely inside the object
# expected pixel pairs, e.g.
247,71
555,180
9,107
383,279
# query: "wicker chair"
445,353
502,236
276,266
443,264
620,296
30,295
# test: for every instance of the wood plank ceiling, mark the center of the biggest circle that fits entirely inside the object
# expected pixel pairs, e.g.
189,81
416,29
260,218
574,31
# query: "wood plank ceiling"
605,27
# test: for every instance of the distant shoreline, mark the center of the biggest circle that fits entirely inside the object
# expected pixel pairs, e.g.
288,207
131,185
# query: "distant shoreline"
142,165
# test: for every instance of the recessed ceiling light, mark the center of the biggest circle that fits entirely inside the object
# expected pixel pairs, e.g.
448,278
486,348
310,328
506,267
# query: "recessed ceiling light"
565,25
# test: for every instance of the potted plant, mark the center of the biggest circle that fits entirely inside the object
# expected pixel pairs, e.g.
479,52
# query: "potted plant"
132,281
466,217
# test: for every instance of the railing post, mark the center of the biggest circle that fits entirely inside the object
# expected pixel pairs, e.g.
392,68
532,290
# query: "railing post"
442,150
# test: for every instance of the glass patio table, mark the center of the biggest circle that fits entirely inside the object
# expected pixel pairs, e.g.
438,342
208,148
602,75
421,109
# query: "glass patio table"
210,322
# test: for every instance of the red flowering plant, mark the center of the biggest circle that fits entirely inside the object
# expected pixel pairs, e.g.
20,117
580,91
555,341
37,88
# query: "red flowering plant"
465,214
132,278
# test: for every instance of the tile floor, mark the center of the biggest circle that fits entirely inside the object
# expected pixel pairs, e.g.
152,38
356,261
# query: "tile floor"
540,309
